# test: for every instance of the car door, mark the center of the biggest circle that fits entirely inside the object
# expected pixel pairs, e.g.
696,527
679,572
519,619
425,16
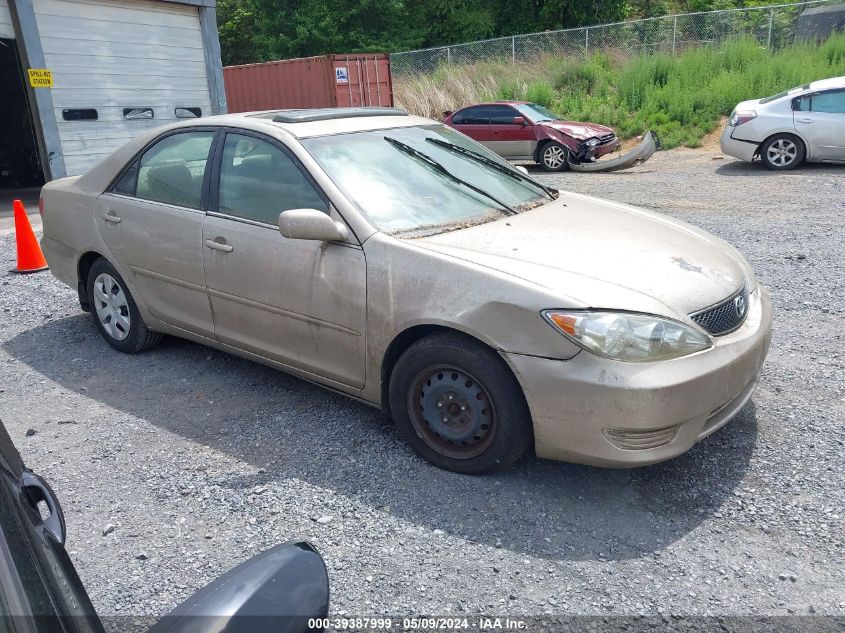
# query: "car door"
40,590
509,139
151,220
297,302
474,122
820,118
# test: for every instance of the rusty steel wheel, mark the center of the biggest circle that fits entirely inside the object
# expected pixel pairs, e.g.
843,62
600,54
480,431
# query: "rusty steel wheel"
452,412
456,402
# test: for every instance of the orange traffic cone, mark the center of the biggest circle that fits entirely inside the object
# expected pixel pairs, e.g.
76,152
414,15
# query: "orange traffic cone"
30,257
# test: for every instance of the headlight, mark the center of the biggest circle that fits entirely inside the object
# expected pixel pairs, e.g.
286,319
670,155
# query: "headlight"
634,338
593,142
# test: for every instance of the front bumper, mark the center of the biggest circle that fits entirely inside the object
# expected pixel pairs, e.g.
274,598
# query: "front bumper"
602,412
743,150
637,156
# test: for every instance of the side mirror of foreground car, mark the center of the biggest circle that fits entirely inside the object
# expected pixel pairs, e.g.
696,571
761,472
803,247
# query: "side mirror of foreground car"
311,224
518,120
283,590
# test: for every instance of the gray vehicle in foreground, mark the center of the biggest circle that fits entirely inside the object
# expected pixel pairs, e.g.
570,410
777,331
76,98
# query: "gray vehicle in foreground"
283,590
418,272
784,130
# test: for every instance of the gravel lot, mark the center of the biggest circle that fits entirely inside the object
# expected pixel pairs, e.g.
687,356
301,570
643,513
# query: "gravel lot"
199,460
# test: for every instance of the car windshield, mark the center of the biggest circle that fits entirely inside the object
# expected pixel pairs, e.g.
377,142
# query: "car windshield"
392,177
785,93
536,112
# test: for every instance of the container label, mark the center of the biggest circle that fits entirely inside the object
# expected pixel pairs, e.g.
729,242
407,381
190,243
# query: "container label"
341,74
40,77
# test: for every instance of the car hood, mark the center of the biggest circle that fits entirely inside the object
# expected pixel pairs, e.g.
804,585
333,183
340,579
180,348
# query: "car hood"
581,131
600,254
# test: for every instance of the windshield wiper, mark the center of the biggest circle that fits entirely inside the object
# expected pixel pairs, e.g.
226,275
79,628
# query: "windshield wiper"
407,149
508,171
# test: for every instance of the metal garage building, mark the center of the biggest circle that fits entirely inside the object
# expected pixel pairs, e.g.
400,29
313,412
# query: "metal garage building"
114,68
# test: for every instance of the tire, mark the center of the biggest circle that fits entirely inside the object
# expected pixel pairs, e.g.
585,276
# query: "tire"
452,374
554,157
782,151
117,317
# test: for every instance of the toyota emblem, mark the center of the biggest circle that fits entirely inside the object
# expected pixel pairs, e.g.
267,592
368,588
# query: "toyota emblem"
740,306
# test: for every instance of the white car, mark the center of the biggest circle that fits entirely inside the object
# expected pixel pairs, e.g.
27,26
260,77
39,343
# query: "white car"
805,123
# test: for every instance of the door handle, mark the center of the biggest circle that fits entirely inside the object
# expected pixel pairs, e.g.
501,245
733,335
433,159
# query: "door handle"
804,120
219,246
37,490
111,217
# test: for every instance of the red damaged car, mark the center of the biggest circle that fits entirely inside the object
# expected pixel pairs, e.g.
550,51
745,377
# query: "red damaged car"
519,130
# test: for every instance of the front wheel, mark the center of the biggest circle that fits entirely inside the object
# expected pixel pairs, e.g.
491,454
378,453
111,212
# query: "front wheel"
554,157
782,152
457,404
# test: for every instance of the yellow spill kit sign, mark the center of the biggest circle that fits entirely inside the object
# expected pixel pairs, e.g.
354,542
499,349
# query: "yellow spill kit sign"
40,78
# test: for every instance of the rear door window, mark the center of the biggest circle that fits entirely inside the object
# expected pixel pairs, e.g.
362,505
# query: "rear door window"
801,104
172,170
479,115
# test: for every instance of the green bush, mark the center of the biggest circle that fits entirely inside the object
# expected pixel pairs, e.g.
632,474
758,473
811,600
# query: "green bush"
508,90
541,92
680,97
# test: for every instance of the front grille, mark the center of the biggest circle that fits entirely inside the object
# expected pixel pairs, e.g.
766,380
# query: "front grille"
607,138
724,317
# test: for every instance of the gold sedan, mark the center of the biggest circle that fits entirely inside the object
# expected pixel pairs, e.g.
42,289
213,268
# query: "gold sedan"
395,260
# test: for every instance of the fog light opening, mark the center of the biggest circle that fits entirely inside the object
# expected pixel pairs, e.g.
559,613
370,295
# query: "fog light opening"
641,439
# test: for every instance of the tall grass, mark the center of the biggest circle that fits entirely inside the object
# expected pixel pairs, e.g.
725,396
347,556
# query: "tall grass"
680,97
452,87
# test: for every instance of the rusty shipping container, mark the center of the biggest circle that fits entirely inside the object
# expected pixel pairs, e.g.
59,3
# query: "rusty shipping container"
327,81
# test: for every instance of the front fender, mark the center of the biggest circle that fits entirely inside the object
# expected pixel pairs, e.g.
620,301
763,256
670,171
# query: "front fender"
637,156
543,133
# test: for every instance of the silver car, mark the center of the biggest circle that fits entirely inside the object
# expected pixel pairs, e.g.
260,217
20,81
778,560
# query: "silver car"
395,260
784,130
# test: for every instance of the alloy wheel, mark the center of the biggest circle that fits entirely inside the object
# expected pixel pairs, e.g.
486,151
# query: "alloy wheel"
782,152
554,156
111,307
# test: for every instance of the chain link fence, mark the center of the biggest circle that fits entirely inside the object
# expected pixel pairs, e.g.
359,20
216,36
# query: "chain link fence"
773,26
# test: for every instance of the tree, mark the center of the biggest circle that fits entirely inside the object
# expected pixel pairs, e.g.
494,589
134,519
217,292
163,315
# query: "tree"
236,25
298,28
259,30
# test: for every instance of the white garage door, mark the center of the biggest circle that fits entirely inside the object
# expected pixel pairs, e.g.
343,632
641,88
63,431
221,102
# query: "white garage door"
113,56
5,21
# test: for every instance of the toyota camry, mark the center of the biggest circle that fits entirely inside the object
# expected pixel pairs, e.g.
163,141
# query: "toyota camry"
391,258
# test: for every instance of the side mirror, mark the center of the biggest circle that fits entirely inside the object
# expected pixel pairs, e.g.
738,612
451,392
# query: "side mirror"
519,120
522,169
311,224
278,591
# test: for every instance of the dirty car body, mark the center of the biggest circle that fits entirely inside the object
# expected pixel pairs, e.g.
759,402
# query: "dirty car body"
418,272
520,130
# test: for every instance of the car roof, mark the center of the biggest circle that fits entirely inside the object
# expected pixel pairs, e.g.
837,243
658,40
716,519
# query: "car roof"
305,123
501,102
344,121
824,84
